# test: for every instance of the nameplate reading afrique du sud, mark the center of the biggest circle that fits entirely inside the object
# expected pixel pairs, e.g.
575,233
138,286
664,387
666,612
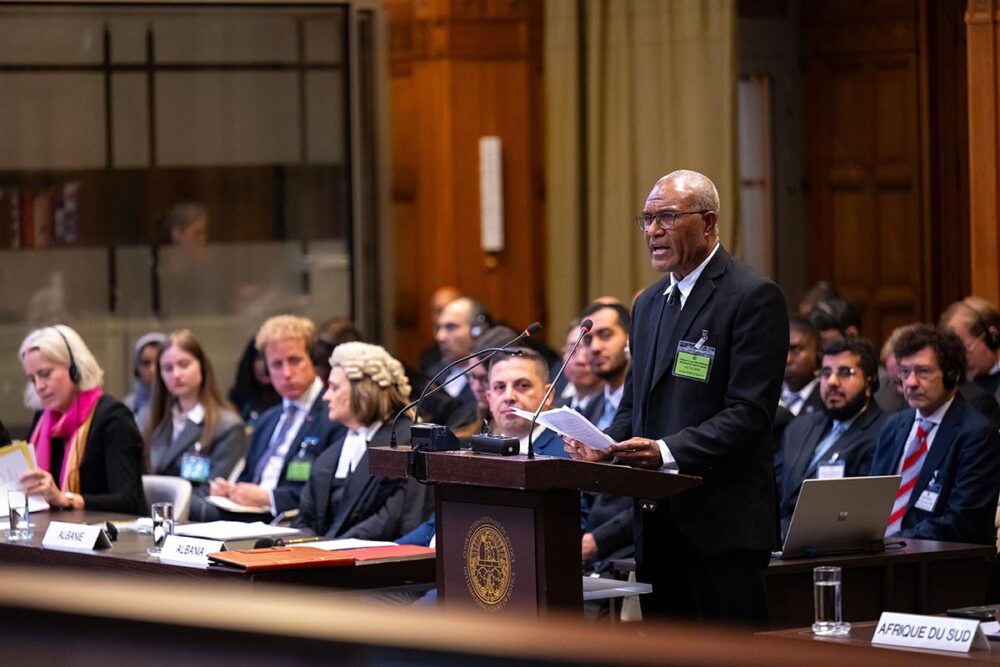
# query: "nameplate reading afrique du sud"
78,536
942,633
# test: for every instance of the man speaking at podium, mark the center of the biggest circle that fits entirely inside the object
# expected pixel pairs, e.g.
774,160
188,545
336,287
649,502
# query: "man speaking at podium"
709,342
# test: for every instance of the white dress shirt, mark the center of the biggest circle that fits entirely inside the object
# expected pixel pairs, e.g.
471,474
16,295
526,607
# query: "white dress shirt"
354,449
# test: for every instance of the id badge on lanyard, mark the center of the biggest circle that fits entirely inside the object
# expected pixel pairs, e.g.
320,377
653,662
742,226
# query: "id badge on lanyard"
196,468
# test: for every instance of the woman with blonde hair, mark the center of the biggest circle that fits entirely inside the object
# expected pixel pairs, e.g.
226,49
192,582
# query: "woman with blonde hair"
366,388
193,432
87,446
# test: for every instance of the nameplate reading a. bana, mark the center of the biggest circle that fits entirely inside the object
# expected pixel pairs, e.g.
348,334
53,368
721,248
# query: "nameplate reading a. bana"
80,536
942,633
189,550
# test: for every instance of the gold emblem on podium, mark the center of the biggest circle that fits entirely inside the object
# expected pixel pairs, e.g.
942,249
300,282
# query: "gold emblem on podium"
488,564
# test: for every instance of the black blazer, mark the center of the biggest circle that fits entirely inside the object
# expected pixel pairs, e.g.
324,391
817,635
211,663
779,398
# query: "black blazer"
111,469
316,426
854,447
965,454
373,507
719,429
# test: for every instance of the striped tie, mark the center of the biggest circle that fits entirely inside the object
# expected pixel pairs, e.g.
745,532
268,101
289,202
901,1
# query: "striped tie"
914,459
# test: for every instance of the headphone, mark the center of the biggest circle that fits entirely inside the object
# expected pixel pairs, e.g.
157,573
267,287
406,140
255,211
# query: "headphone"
74,371
988,324
481,320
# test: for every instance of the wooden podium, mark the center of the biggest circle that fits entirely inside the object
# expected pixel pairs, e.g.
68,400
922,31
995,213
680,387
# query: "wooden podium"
508,528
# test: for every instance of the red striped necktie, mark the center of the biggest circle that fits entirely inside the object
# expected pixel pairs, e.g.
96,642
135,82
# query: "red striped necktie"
913,460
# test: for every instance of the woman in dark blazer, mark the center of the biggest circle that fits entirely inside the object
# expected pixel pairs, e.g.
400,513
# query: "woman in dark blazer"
87,446
367,387
186,405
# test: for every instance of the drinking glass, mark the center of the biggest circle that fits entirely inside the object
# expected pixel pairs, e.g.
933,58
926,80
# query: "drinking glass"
163,525
827,600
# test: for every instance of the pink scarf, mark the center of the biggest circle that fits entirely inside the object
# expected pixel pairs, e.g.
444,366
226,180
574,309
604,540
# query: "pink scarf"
63,425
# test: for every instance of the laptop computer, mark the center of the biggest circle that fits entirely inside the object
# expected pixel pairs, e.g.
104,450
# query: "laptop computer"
839,515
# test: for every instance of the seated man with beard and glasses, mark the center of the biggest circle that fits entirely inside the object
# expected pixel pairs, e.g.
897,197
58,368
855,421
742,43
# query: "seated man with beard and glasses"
839,440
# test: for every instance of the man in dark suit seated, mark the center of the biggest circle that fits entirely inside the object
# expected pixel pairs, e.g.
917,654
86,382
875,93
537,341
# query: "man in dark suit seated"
839,440
947,453
520,381
799,391
586,388
288,437
515,381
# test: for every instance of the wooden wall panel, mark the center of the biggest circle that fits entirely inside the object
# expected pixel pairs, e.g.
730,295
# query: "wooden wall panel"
463,70
983,20
881,182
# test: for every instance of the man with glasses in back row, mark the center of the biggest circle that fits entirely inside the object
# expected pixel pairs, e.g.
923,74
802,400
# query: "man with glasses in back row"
709,343
947,453
838,440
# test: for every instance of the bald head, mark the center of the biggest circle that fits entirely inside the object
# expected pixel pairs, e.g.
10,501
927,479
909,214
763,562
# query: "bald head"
453,329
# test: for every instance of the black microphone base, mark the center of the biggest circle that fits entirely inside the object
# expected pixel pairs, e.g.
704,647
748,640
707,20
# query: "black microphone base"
495,444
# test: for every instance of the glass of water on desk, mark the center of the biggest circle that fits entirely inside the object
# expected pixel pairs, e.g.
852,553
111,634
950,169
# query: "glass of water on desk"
17,507
163,525
826,597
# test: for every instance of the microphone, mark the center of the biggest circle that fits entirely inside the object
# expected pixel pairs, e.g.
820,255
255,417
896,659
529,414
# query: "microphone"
532,329
585,328
268,542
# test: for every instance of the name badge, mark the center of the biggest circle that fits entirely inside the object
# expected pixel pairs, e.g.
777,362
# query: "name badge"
830,470
78,536
693,360
189,550
936,632
927,500
195,468
298,470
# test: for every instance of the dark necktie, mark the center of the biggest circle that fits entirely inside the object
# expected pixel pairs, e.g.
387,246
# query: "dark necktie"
665,330
276,441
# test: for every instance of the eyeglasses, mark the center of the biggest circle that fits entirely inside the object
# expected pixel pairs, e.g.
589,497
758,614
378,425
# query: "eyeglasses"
844,373
478,378
971,345
922,372
666,220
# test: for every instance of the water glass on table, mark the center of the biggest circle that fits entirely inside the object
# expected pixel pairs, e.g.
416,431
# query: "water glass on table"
20,526
163,525
827,599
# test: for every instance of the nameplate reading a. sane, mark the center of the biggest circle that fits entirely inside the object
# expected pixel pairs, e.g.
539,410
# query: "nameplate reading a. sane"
942,633
79,536
189,550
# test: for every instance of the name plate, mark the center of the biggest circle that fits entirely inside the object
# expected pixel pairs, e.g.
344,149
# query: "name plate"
79,536
942,633
189,550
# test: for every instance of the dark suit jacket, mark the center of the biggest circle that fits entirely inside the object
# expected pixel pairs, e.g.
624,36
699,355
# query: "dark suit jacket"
719,429
594,409
550,444
373,507
111,469
229,445
316,426
965,453
854,447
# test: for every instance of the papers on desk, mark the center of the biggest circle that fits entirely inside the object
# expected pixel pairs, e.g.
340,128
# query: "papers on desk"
15,460
570,423
232,530
226,504
991,629
348,543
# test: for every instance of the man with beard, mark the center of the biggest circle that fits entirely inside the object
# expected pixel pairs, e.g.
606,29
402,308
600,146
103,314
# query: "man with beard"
839,440
606,344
